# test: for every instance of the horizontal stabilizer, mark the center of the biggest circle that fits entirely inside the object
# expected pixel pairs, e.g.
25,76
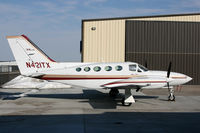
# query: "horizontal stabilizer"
36,75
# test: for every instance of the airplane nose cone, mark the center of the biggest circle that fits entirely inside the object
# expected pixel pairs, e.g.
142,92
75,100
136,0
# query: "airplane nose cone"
189,78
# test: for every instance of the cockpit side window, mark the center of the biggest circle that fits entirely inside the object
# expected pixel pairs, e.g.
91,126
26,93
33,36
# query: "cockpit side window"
132,67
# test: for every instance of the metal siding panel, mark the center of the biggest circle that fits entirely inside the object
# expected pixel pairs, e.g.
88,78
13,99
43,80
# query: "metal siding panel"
106,43
180,48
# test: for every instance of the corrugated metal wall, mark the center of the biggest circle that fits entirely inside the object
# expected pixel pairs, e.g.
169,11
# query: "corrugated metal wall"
159,42
107,42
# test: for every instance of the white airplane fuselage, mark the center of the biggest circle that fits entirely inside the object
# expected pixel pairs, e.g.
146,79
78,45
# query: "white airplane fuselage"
67,73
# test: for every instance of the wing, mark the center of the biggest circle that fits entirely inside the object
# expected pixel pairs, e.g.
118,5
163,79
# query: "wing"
138,82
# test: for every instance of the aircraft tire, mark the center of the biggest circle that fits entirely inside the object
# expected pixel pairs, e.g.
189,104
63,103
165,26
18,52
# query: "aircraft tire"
171,98
114,92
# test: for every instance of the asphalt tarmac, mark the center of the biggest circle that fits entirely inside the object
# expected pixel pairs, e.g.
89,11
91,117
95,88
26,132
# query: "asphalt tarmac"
93,111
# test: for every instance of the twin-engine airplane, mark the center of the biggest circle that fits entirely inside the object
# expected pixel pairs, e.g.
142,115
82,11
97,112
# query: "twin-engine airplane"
33,62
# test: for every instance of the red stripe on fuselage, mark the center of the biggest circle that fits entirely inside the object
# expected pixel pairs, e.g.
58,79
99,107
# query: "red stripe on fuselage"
136,82
63,78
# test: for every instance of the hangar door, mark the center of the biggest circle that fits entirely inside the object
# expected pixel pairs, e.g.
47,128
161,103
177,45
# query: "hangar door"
159,42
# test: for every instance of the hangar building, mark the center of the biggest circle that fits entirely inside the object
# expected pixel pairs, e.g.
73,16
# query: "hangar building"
156,40
8,71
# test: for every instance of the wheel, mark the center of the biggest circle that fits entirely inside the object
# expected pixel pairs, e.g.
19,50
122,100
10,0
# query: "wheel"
125,104
171,97
113,92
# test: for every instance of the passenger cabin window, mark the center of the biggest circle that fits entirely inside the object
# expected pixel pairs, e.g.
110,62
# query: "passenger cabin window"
118,68
108,68
97,69
78,69
132,67
87,69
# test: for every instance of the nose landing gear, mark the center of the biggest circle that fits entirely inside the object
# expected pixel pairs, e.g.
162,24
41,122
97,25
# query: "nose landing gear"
171,96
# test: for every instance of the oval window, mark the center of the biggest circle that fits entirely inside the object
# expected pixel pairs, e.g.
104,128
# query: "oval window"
78,69
97,69
108,68
86,69
118,68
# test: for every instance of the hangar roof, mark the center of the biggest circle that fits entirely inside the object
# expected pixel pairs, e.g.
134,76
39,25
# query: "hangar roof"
153,16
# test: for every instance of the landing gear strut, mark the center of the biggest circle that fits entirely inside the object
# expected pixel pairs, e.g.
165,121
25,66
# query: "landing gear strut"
128,99
171,96
113,92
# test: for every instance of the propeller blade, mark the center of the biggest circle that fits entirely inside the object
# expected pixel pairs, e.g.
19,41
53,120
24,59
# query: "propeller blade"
168,85
169,69
146,63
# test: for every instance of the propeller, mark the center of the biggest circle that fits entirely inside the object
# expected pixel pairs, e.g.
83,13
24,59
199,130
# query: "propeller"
169,69
146,63
168,72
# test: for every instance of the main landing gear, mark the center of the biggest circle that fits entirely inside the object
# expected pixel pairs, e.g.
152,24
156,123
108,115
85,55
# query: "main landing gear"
114,92
128,99
171,96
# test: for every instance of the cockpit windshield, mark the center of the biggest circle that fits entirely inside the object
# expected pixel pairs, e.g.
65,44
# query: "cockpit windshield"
142,68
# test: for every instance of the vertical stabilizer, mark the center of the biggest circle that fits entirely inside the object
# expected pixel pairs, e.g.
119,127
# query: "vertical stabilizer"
29,57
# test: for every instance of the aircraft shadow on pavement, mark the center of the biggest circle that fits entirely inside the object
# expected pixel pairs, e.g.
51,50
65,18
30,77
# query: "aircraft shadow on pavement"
97,99
107,122
8,95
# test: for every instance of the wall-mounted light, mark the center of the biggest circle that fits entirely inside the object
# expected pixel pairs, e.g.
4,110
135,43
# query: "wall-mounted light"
93,28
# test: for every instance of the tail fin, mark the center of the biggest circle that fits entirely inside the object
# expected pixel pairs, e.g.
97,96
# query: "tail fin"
30,58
